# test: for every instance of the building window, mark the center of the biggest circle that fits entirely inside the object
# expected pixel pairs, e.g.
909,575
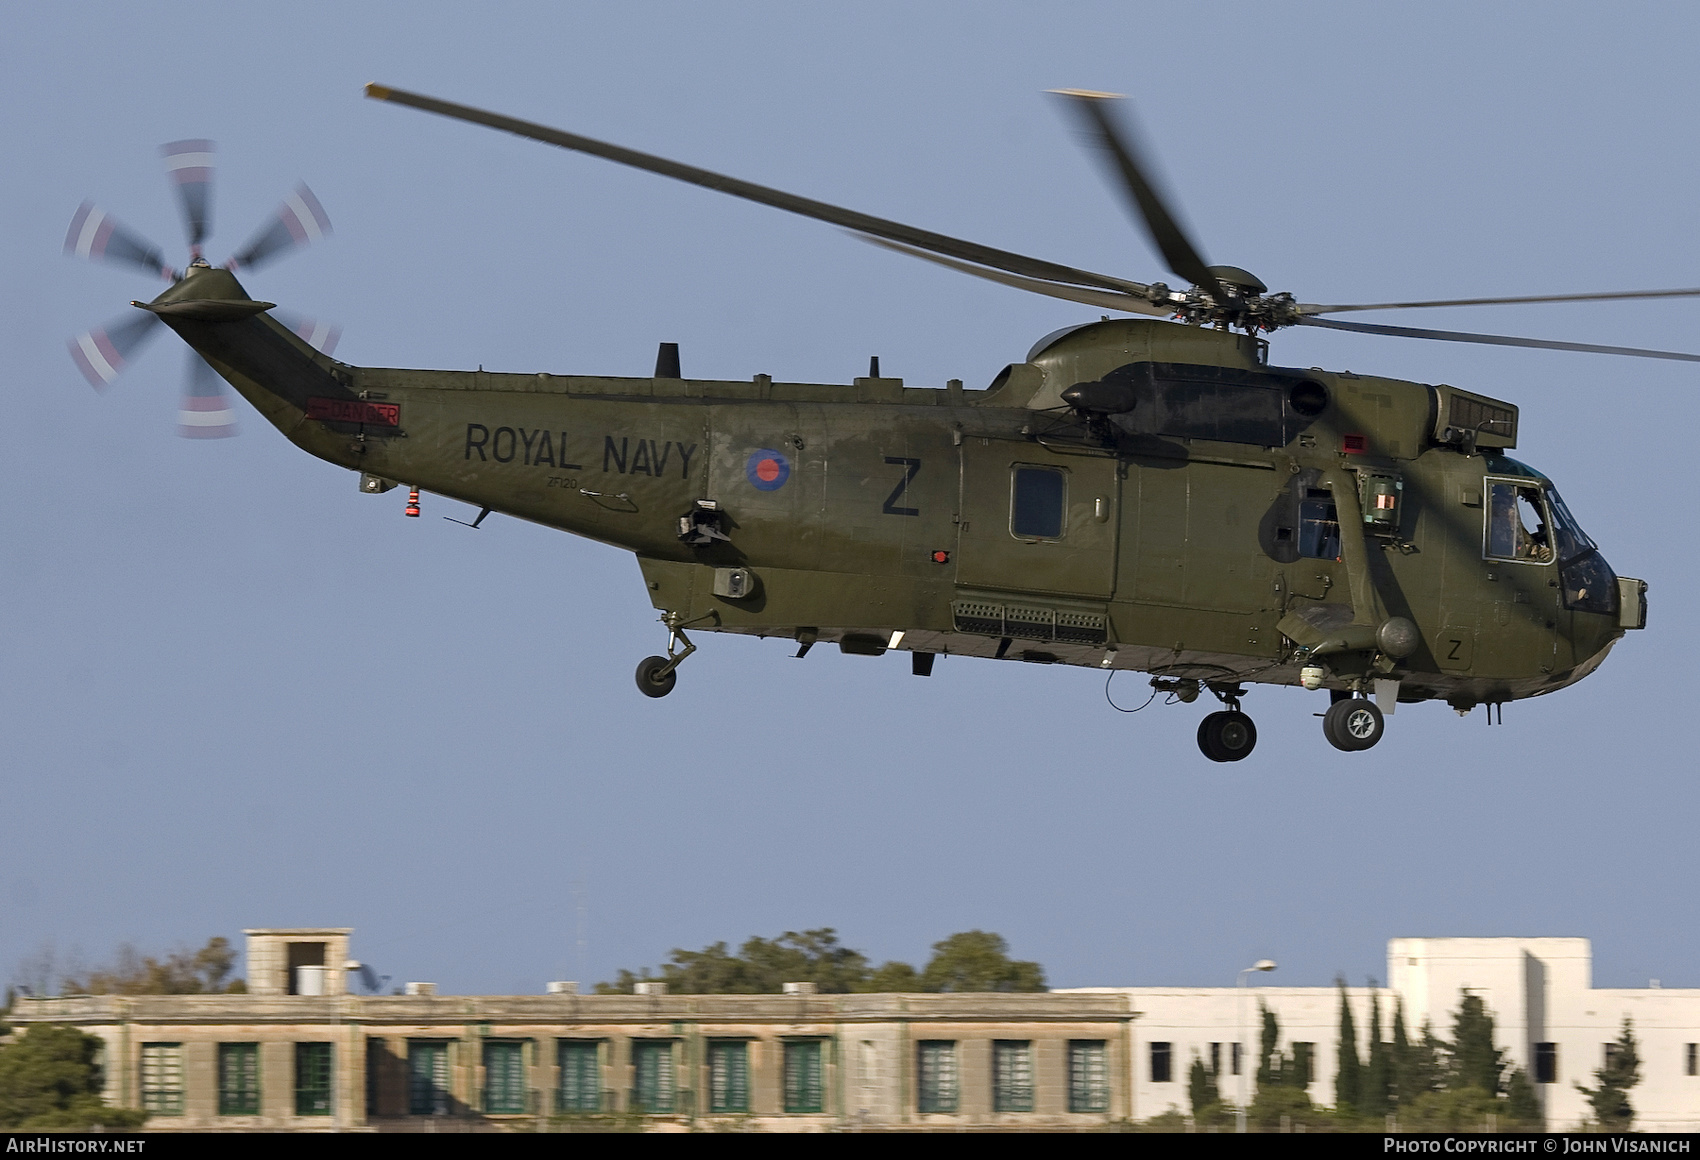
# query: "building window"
1691,1059
1012,1075
1215,1059
239,1079
427,1078
652,1068
803,1087
1037,503
935,1074
1088,1076
504,1077
580,1087
313,1079
1162,1069
1236,1058
1304,1063
162,1079
728,1075
1546,1063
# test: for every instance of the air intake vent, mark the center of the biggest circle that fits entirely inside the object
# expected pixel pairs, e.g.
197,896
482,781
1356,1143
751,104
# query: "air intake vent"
1471,421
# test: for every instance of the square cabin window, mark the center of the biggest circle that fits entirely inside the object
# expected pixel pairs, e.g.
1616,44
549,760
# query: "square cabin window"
1038,503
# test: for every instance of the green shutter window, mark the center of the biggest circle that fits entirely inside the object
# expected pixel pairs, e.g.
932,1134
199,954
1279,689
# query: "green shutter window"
803,1087
935,1074
1012,1075
728,1076
239,1079
312,1079
377,1057
427,1078
1088,1076
581,1076
652,1060
162,1079
504,1077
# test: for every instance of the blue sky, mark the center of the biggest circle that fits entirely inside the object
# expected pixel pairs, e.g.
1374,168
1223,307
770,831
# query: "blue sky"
235,692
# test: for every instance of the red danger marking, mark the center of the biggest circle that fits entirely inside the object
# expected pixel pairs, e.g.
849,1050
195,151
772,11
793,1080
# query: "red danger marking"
354,411
767,471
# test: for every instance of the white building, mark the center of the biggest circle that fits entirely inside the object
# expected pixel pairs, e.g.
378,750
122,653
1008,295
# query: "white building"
1549,1019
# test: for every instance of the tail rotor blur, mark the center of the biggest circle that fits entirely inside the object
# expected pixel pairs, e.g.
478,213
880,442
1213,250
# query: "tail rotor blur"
299,221
101,354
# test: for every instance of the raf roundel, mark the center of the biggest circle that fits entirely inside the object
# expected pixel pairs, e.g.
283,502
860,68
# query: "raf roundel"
767,470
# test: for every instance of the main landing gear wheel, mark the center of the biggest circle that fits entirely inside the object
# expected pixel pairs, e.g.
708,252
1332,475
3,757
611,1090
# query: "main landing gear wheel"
1353,724
1227,736
656,676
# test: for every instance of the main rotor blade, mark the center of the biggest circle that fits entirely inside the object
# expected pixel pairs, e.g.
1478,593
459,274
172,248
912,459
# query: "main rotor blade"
299,221
807,207
105,351
205,412
1612,296
97,236
190,164
1105,299
1495,339
1177,249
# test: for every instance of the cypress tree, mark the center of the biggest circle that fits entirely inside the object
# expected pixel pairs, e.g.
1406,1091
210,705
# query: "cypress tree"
1612,1109
1268,1059
1476,1063
1348,1080
1378,1076
1403,1061
1201,1087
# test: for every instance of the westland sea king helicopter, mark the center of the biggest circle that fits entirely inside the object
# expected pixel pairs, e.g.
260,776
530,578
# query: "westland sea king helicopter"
1147,493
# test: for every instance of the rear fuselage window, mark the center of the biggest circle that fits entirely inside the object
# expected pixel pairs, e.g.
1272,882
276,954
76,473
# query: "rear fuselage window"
1038,503
1319,525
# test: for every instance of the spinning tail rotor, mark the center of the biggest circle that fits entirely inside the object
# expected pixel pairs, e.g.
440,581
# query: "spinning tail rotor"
101,354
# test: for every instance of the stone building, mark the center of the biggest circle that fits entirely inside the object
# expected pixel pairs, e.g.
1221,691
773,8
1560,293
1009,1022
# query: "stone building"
299,1052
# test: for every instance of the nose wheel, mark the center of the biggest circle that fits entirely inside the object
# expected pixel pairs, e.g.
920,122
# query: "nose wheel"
1353,724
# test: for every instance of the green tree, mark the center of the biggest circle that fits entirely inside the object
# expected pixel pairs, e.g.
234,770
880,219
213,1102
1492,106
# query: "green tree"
1201,1089
1522,1108
1476,1062
1268,1059
892,976
49,1081
181,972
978,960
1348,1079
1375,1100
971,961
761,967
1610,1100
1281,1079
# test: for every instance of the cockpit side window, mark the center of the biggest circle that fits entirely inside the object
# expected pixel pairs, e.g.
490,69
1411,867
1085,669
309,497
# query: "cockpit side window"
1517,527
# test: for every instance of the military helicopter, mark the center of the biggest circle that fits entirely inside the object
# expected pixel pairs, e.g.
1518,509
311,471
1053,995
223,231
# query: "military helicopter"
1145,493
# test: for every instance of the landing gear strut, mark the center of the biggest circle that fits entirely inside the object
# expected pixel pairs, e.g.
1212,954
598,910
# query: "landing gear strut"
656,676
1352,724
1227,735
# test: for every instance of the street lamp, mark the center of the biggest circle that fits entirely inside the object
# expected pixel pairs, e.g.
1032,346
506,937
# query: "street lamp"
1245,1056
